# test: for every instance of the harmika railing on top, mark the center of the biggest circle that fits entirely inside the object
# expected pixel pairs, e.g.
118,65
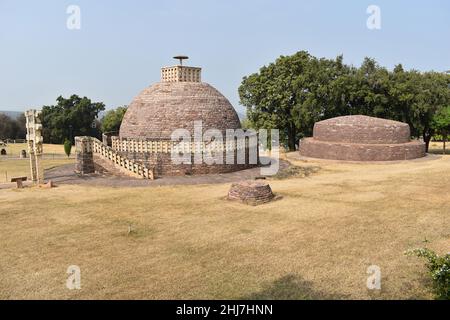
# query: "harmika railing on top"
137,169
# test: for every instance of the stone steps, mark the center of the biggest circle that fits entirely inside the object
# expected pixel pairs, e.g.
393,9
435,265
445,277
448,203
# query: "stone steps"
104,166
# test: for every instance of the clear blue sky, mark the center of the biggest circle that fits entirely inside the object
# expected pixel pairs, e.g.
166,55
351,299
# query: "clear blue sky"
122,44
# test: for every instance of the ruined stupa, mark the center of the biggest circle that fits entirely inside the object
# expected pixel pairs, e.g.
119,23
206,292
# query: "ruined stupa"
361,138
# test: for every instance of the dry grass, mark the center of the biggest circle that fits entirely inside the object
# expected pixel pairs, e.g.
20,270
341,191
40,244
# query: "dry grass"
437,148
187,242
16,168
10,166
16,148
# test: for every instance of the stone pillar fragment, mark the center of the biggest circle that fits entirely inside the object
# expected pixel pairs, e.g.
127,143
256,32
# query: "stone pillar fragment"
84,155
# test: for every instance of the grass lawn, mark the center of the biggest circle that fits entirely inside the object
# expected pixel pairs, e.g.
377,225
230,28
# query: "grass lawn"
188,242
437,147
16,148
16,168
21,167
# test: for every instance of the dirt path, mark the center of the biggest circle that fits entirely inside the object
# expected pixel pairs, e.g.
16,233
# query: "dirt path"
65,175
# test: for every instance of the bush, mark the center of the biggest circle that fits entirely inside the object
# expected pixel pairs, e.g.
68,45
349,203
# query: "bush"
439,270
67,147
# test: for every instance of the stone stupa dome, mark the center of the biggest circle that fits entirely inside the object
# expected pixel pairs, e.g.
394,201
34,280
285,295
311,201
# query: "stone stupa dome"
176,102
361,138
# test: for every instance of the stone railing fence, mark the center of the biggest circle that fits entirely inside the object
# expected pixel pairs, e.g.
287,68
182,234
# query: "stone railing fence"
168,146
94,146
131,166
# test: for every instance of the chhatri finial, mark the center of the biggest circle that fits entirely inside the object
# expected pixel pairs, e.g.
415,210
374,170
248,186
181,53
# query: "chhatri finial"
181,58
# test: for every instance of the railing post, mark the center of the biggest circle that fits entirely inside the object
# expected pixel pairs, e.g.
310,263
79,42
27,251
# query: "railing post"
84,155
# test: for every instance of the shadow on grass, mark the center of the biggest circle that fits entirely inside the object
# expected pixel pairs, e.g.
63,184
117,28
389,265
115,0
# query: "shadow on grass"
291,287
296,172
439,151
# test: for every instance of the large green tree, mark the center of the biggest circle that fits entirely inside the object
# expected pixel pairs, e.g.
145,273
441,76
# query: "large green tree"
76,116
441,124
292,93
432,94
112,119
367,93
296,91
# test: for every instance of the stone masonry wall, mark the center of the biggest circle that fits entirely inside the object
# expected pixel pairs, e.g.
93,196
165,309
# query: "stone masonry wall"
361,138
84,155
362,129
309,147
251,192
162,164
166,106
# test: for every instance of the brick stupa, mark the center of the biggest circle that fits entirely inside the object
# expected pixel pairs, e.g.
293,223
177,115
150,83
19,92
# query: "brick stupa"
179,101
361,138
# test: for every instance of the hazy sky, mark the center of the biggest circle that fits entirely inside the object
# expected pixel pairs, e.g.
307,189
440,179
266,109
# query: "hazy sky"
122,44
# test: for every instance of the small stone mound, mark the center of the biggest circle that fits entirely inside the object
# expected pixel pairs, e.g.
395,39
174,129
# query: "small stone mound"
251,192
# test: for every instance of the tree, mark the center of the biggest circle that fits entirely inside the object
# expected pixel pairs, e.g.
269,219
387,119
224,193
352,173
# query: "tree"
112,120
296,91
71,117
67,147
366,90
6,126
21,131
402,90
291,94
441,124
12,128
432,94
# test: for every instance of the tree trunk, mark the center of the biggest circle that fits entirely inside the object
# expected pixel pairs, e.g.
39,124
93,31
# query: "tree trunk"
444,139
291,142
427,139
291,133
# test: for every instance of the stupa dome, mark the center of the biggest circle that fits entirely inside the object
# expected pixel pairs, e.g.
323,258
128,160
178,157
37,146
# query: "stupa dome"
362,129
181,101
361,138
176,102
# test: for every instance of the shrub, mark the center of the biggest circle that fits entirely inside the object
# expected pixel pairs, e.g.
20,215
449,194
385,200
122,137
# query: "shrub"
67,147
439,270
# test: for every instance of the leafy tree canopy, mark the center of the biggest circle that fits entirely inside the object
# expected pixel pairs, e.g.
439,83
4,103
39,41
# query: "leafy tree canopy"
71,117
294,92
112,120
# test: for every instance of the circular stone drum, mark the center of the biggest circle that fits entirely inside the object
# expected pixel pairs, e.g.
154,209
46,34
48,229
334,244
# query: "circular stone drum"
361,138
251,192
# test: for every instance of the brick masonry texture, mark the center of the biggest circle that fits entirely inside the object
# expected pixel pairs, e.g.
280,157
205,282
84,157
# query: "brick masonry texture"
84,163
251,192
361,138
144,144
162,164
172,104
165,106
361,152
84,156
362,129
